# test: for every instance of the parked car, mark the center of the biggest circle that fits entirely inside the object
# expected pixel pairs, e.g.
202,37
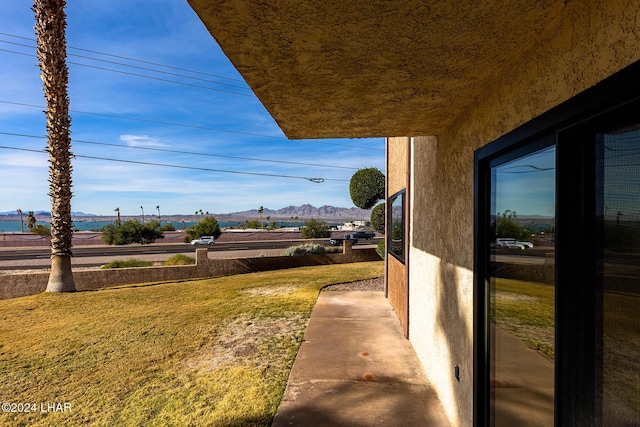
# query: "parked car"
509,242
204,240
334,241
362,235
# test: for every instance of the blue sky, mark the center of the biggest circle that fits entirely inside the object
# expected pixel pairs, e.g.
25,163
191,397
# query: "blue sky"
527,185
211,112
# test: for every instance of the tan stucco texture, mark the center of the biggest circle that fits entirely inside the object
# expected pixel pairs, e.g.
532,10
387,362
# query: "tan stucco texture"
339,68
397,271
589,42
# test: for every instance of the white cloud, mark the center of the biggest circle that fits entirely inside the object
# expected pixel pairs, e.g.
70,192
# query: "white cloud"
24,160
141,141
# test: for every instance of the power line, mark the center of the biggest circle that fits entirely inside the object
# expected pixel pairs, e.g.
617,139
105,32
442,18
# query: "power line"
160,79
167,165
139,75
533,167
192,126
164,80
165,150
124,65
132,59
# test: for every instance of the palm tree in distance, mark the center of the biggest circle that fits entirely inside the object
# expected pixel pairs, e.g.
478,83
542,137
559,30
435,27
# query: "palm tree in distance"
142,214
21,223
260,212
52,59
118,211
31,220
158,208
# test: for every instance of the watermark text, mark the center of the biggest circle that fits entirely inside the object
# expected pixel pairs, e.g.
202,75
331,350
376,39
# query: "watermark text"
35,407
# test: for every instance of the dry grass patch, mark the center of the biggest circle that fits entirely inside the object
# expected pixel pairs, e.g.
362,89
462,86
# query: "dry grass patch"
250,341
526,309
285,288
208,352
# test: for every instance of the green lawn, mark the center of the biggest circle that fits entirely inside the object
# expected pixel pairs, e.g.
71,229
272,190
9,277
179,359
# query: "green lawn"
526,309
208,352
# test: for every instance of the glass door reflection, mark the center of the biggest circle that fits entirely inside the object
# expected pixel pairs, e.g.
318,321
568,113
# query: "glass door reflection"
618,210
522,291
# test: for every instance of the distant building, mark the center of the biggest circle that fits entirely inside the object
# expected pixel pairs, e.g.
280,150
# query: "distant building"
354,225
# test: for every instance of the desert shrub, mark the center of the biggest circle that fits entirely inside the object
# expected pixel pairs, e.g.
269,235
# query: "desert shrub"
41,230
207,227
253,224
118,263
180,259
333,249
380,249
506,227
168,227
314,229
131,231
306,249
378,218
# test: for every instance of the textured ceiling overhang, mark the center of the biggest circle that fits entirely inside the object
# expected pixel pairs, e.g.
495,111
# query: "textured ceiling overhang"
340,68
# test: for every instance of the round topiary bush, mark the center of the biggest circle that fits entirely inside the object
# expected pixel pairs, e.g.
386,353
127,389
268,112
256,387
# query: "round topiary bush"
367,187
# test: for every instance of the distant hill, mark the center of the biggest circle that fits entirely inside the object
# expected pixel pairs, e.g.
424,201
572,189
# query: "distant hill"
42,213
305,211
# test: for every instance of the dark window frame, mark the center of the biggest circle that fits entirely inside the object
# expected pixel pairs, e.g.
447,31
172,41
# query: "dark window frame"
607,104
400,194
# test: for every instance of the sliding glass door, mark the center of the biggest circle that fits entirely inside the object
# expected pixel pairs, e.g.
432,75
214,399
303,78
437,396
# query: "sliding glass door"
557,271
521,289
618,293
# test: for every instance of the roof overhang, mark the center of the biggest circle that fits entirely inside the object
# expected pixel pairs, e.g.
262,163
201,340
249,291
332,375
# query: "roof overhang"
340,68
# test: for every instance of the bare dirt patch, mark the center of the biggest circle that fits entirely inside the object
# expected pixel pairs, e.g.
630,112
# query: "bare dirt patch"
272,290
265,342
258,341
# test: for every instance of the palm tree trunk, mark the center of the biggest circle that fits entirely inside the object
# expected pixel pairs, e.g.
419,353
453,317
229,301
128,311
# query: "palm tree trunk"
52,55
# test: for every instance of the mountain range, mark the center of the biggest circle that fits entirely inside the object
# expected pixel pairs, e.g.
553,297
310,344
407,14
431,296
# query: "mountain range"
305,211
42,213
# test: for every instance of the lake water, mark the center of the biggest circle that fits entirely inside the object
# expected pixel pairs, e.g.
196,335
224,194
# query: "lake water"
12,226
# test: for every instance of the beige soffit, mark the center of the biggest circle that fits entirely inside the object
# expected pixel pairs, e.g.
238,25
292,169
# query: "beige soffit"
371,68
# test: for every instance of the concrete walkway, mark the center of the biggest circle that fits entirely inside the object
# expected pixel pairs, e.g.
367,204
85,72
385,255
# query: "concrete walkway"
355,368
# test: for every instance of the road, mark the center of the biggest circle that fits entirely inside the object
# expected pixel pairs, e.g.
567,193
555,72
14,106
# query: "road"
90,256
537,255
28,258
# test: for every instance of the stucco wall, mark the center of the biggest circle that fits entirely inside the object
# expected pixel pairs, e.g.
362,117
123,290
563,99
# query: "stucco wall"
398,272
589,42
31,283
397,164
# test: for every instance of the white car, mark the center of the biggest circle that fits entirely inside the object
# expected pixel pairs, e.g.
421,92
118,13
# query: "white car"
204,240
528,245
509,242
